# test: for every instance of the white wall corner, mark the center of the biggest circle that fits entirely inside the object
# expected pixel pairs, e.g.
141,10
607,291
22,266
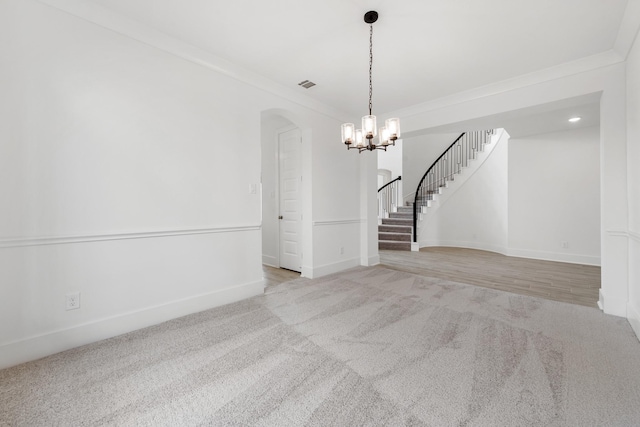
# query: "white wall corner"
633,315
307,272
373,260
600,300
36,347
613,306
269,260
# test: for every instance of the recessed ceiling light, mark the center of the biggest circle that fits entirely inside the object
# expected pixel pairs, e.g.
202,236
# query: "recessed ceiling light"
575,119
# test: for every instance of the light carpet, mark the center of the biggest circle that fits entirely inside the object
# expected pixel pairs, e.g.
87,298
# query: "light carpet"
370,346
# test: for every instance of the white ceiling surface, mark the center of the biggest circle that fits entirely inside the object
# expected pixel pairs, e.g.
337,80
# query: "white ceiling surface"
423,49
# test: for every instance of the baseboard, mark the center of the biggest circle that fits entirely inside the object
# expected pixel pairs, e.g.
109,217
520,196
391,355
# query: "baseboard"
269,260
600,300
324,270
555,256
613,306
633,315
307,272
371,261
36,347
518,253
463,244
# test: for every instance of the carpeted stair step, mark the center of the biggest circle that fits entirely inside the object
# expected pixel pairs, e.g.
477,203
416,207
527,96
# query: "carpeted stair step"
395,228
398,221
396,232
401,215
396,237
394,245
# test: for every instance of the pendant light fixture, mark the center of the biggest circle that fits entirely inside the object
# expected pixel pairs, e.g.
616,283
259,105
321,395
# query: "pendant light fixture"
363,138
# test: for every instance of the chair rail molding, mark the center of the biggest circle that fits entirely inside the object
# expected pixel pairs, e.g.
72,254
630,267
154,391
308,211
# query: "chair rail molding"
61,240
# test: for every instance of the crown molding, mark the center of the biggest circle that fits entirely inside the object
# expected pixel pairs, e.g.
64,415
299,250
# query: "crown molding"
629,29
589,63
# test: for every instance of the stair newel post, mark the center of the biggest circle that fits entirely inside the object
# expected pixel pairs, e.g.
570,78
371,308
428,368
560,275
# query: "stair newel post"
415,223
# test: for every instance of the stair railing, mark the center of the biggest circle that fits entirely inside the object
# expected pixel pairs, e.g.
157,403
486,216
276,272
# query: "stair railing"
450,163
388,197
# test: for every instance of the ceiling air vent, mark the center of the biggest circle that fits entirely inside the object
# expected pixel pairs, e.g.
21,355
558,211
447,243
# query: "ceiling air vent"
306,84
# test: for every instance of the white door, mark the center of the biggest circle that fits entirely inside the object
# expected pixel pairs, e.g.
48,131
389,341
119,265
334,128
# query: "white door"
289,144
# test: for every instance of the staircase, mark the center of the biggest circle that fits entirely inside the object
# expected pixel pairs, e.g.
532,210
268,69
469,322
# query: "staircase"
450,163
395,232
398,229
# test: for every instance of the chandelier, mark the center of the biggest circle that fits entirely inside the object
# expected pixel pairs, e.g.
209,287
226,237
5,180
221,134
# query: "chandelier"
389,133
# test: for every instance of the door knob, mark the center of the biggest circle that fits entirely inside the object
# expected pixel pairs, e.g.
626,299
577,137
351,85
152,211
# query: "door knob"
280,217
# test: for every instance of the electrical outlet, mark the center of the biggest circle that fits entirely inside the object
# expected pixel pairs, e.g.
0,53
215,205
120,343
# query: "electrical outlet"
564,244
72,301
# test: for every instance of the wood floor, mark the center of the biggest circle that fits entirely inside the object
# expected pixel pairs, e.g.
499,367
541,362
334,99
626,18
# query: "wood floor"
572,283
274,276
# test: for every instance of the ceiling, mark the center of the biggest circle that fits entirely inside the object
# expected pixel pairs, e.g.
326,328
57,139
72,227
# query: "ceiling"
423,49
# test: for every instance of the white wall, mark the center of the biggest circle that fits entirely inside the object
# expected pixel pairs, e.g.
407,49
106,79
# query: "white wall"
418,153
633,162
391,159
473,211
126,175
337,204
554,196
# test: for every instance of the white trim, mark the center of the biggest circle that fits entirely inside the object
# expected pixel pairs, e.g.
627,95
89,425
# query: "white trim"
464,244
269,260
634,235
555,256
629,29
373,260
633,315
517,253
52,342
600,299
307,272
618,233
60,240
557,72
135,30
326,269
619,305
337,222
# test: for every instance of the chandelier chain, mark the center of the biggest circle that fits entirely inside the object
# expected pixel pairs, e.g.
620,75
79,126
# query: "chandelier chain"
370,66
